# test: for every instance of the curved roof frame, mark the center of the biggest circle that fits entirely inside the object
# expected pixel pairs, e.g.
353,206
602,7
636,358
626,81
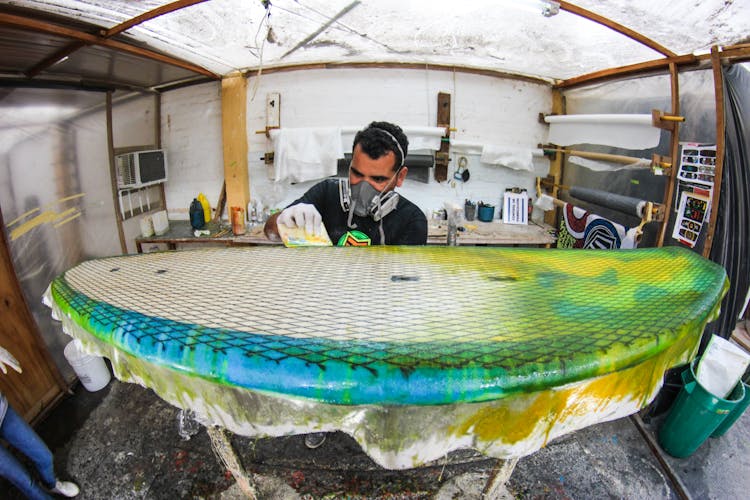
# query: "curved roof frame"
84,36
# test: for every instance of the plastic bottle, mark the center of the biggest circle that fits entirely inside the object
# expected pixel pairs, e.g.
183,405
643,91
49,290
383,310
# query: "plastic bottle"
197,219
206,207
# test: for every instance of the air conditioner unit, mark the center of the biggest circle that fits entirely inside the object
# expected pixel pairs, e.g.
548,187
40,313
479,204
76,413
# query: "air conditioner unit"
141,168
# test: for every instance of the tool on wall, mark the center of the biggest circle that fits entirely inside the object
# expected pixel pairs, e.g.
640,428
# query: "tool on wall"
462,170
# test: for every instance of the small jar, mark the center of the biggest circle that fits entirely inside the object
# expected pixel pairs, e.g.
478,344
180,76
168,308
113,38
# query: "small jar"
238,220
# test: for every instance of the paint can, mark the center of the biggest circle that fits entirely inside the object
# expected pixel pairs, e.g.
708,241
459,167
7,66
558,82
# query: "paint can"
91,370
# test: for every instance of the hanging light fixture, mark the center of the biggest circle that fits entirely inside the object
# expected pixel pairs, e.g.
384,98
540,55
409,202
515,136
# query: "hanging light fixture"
547,8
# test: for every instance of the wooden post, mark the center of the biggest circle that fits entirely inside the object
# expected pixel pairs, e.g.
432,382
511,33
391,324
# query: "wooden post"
674,147
719,170
443,120
499,476
223,447
113,175
157,142
234,138
555,164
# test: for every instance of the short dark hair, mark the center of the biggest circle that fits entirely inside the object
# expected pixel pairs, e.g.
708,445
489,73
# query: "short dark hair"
378,138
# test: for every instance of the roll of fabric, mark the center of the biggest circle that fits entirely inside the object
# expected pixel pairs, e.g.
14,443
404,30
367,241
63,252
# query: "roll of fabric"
624,204
621,131
420,138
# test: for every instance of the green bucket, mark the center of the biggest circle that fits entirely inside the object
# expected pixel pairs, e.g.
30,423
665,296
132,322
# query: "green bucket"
736,413
695,415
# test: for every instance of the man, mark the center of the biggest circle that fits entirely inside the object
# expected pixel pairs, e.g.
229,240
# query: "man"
365,209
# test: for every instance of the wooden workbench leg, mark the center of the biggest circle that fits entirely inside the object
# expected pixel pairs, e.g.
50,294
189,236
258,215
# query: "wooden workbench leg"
223,447
495,487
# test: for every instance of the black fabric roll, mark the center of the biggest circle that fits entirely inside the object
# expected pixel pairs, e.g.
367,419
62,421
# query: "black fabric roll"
624,204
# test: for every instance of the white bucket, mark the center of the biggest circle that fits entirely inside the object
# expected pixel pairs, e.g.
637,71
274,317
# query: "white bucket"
91,370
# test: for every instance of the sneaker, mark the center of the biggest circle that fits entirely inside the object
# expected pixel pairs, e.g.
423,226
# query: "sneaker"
66,489
315,439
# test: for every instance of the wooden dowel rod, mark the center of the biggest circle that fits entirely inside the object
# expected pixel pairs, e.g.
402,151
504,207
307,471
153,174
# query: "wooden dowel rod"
627,160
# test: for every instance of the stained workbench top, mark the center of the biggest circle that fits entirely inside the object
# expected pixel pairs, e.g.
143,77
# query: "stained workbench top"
474,233
493,233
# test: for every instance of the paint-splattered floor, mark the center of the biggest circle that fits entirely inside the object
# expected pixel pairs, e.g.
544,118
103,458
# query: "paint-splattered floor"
122,442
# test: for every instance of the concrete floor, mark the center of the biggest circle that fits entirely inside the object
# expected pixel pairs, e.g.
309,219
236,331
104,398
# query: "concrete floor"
123,442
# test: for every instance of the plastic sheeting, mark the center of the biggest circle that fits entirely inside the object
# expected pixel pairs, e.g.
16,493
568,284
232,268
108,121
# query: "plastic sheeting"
633,97
731,245
55,192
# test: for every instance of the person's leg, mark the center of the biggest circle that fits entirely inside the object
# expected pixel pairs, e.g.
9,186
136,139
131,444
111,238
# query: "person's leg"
22,437
12,470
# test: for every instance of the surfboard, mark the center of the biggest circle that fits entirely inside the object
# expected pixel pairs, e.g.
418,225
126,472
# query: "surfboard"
464,337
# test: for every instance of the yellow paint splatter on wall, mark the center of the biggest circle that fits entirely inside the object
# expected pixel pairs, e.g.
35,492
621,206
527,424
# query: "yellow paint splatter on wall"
46,215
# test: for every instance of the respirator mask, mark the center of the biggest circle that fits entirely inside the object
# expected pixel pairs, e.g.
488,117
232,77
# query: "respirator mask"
363,200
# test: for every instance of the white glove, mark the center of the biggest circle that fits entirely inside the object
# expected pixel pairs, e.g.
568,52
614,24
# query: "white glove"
301,215
7,358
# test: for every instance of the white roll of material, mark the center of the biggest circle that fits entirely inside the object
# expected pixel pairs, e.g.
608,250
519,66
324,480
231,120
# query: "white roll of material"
621,131
420,138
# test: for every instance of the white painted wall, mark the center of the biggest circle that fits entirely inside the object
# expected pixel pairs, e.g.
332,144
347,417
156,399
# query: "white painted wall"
485,110
191,136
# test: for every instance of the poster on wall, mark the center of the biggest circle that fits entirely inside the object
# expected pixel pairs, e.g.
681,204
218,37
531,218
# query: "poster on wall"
697,163
696,171
691,213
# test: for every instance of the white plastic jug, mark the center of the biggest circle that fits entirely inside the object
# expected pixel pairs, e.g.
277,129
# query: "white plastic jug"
91,370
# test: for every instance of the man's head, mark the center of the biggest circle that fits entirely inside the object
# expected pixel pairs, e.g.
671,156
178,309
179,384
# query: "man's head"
378,156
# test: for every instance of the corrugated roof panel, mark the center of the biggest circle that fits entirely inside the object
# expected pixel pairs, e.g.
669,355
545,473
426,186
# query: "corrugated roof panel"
23,49
98,64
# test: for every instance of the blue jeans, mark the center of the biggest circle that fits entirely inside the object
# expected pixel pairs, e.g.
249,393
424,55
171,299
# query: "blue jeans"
23,438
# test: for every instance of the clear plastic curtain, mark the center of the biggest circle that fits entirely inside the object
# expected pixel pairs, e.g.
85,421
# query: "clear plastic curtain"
55,192
732,234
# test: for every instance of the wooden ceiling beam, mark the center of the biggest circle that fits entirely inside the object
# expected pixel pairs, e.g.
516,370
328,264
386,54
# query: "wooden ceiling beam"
108,33
55,58
734,53
147,16
26,23
623,30
657,65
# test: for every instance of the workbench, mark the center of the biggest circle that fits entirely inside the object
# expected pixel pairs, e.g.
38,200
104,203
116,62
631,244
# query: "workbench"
472,233
413,351
495,233
180,232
